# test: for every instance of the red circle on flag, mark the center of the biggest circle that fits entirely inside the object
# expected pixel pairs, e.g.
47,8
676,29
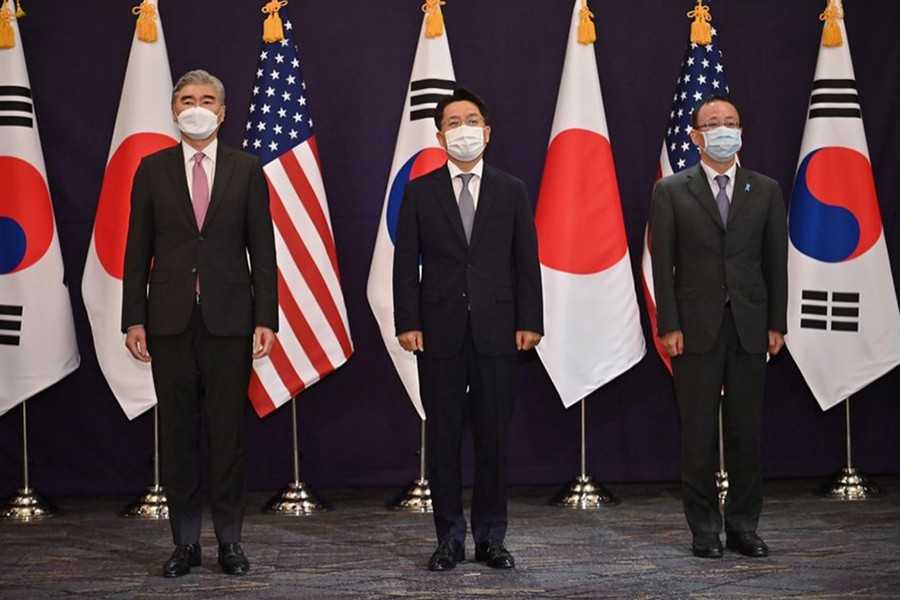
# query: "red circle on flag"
114,207
25,200
579,213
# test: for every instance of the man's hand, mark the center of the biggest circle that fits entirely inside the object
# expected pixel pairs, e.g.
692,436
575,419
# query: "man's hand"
136,342
673,342
411,341
263,340
526,340
776,342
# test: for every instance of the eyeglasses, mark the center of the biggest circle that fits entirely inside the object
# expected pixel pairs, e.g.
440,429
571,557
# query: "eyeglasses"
454,122
715,124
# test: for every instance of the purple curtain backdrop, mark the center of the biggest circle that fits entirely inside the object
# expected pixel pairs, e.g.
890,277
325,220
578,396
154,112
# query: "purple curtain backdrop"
357,428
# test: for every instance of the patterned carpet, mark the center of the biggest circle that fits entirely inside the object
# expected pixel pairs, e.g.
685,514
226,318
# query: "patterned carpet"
638,549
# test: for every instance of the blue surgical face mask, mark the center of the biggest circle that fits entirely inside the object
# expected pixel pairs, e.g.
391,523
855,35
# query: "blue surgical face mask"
722,143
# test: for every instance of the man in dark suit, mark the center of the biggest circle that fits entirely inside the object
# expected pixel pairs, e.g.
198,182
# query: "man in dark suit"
476,303
719,249
198,210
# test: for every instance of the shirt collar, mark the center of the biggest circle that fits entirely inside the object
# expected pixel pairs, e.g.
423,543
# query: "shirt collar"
210,151
711,173
478,169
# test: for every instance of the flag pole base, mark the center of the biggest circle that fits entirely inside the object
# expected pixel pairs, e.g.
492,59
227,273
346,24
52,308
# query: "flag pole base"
152,504
849,484
415,499
295,500
584,493
722,486
27,505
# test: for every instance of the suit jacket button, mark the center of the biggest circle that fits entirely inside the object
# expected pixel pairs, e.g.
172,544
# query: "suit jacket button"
464,295
202,239
193,269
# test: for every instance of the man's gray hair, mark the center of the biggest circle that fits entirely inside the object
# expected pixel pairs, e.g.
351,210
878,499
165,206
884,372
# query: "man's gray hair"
199,77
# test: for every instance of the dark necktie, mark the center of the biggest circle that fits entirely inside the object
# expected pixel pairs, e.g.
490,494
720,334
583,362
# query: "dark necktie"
466,204
722,198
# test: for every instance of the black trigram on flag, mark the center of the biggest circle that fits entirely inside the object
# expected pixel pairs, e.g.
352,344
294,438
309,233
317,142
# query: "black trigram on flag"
841,313
834,98
425,94
10,325
16,109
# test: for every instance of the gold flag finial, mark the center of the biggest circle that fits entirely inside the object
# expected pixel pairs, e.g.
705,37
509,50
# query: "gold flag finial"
587,33
273,28
701,30
434,21
831,34
146,23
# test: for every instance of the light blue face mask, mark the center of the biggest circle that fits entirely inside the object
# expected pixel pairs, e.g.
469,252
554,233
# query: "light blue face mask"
722,143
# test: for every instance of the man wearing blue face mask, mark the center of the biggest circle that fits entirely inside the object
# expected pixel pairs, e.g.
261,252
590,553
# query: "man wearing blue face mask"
476,303
719,248
190,299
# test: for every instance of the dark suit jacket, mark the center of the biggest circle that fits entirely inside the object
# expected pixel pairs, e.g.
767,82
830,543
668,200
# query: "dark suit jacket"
166,248
496,278
697,262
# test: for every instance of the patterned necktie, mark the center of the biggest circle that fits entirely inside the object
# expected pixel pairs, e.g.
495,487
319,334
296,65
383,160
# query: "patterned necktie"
722,198
200,190
466,204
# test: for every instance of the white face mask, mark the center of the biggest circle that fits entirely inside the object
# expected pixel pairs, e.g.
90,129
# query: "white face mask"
465,143
722,143
197,123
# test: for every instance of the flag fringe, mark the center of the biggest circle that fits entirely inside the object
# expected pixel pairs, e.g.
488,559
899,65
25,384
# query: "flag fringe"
434,20
587,33
273,28
831,33
7,35
145,27
701,30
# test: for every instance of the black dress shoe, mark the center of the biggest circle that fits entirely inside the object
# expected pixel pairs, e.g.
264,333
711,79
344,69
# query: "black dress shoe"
707,545
232,559
448,553
747,543
495,554
181,561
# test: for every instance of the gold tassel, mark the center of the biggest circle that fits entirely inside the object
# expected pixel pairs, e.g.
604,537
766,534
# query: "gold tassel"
434,22
831,34
7,35
701,31
146,23
273,29
587,34
20,12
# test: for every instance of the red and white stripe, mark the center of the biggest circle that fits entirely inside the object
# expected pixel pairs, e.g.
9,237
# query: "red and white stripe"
314,334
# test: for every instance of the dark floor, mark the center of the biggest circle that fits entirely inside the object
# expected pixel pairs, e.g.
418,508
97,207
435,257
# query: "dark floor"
638,549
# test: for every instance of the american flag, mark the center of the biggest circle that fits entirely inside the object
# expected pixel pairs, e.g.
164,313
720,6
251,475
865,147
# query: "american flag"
702,75
314,337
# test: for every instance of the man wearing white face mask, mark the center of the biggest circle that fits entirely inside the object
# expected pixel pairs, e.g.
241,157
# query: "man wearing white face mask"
719,248
476,303
198,210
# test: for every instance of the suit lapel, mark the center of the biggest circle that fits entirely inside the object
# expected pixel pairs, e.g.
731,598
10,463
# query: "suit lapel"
178,174
485,205
741,193
699,186
224,171
447,200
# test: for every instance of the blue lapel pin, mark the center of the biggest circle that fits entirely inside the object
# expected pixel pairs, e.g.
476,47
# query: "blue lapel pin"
747,188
